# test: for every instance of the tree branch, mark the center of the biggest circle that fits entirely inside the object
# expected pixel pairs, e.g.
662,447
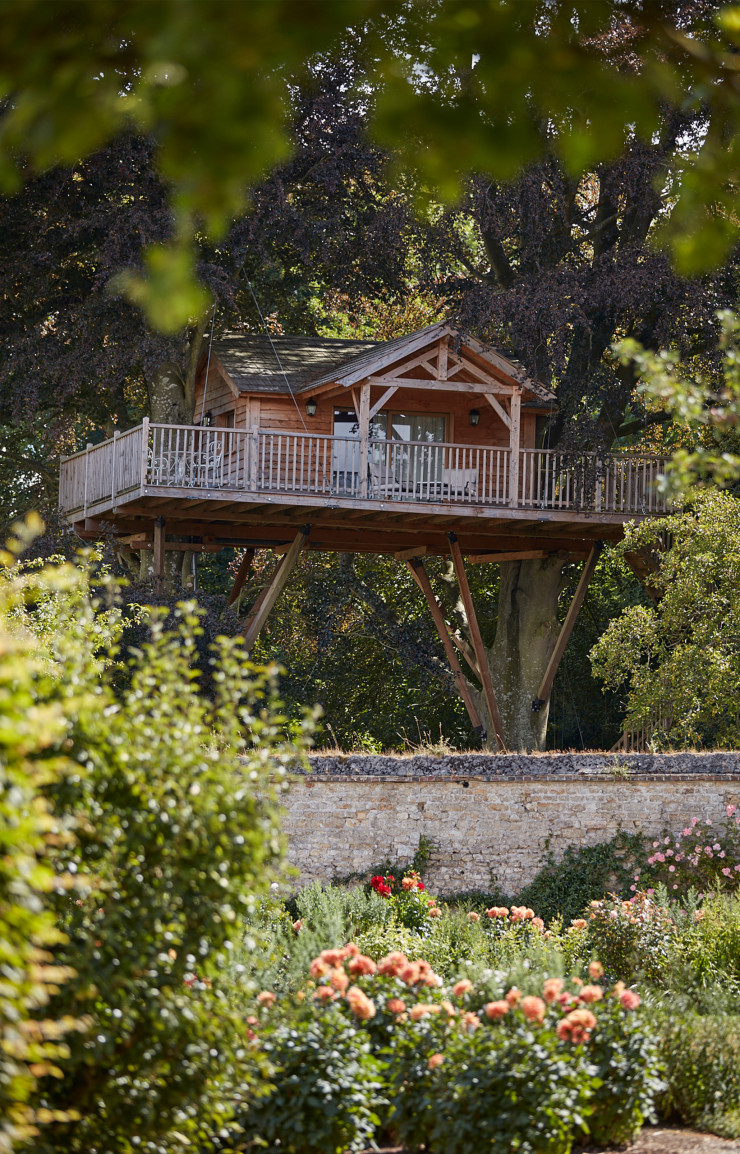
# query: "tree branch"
640,423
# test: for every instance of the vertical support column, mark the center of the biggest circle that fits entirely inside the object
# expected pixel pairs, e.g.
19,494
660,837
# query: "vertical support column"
159,542
567,627
144,451
114,451
419,573
514,439
363,418
475,634
254,451
88,447
442,359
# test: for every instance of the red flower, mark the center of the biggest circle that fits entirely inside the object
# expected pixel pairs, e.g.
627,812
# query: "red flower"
378,884
420,886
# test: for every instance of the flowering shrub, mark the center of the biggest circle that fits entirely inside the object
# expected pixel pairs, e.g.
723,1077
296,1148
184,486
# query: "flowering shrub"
702,856
412,905
462,1070
631,937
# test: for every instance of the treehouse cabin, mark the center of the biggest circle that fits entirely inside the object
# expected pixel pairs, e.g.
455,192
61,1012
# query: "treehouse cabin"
425,444
377,446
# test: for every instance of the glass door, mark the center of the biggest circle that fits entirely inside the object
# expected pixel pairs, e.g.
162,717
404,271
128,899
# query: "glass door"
419,465
345,452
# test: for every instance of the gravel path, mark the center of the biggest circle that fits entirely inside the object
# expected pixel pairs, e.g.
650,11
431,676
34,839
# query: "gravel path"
652,1140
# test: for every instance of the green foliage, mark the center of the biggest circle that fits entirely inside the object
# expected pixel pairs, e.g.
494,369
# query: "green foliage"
326,1088
33,728
709,409
711,951
633,938
511,1089
210,79
629,1072
680,659
172,797
701,1054
565,887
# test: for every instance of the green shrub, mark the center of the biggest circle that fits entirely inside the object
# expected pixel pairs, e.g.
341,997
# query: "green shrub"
627,1060
701,1054
326,1088
176,826
711,944
633,938
33,725
510,1090
564,888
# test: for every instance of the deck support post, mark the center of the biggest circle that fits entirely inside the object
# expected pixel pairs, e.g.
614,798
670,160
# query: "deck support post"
363,418
514,438
241,577
263,606
475,634
159,547
419,573
567,627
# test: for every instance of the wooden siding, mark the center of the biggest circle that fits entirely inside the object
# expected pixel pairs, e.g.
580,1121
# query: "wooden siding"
279,414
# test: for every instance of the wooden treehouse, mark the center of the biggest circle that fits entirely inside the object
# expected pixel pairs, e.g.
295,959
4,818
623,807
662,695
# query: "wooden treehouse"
423,445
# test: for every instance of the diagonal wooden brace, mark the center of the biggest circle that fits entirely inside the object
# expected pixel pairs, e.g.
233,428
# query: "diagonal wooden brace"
419,573
241,576
475,635
567,627
263,605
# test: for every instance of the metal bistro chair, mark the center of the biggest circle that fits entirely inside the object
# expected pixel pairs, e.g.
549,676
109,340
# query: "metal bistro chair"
205,470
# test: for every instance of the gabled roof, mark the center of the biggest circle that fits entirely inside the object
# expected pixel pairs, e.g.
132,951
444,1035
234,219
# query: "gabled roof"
252,365
260,364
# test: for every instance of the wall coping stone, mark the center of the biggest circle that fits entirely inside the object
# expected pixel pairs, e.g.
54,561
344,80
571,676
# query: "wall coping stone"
554,767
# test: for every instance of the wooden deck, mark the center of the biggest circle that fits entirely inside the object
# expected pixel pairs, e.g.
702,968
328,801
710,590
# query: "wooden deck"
239,484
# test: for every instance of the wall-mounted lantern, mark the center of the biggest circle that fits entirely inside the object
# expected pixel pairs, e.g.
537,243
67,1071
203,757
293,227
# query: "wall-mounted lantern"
474,417
207,419
311,406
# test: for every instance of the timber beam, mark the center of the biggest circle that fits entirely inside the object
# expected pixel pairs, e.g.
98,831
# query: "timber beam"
567,627
241,576
419,573
475,634
263,606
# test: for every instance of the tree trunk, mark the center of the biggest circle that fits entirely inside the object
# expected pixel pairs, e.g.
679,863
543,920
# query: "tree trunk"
526,634
171,402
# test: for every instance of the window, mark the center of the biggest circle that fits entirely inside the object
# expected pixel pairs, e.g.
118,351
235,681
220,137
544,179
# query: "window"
417,463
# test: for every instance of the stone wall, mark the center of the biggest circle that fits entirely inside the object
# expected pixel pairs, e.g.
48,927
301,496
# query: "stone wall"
492,816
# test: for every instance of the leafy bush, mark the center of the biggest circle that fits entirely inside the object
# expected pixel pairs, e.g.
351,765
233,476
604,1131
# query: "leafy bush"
633,938
33,725
628,1068
702,1061
326,1088
564,888
176,826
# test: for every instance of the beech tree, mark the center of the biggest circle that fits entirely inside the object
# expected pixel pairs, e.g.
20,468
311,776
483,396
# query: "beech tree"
555,264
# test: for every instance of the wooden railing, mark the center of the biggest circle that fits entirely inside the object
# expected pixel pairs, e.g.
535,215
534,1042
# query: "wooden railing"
182,458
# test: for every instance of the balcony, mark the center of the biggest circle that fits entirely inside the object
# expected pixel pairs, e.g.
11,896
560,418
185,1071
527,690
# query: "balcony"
173,461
